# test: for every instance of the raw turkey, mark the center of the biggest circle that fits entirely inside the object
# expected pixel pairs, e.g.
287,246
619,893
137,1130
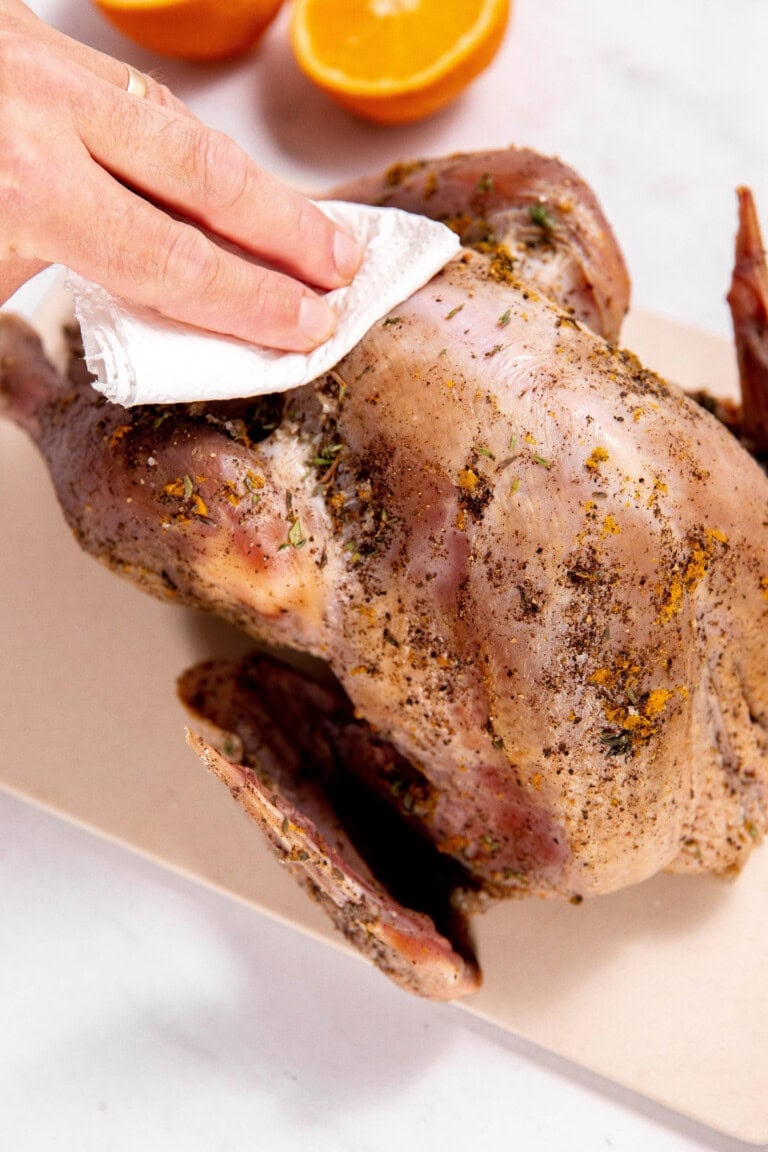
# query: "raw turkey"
537,572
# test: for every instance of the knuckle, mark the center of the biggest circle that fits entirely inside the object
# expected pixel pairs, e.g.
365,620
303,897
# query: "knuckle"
274,300
19,161
19,60
311,225
190,264
262,299
223,170
20,170
160,94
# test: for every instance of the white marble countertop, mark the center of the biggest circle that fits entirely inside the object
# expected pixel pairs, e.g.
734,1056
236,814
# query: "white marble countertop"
138,1010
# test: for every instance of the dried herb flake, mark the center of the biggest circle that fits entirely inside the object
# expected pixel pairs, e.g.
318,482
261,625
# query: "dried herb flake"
541,216
296,537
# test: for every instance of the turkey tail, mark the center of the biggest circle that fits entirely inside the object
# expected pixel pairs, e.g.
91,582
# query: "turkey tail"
748,301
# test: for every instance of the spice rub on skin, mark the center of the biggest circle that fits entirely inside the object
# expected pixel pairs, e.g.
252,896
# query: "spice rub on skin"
565,569
537,570
534,217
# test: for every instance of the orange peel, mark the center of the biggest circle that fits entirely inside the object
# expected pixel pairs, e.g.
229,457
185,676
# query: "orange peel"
394,61
192,29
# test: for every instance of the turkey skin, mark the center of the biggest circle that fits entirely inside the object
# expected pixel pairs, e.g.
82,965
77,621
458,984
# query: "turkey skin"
537,572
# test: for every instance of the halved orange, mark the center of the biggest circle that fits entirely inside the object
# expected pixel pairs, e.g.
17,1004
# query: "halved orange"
392,61
192,29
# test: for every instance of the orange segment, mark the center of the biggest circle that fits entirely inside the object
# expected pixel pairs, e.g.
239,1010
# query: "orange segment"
396,60
192,29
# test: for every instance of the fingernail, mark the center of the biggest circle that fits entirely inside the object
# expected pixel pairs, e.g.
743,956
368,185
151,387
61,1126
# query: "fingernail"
316,319
347,255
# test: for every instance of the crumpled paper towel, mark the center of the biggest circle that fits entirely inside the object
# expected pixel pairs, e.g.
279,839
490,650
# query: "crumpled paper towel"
139,357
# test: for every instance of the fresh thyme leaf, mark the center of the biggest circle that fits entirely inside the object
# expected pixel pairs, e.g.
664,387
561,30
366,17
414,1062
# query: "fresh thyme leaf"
325,457
340,383
504,319
541,216
454,312
485,452
188,487
542,460
616,743
296,537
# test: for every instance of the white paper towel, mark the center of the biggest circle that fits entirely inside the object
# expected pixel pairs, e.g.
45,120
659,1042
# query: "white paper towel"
139,357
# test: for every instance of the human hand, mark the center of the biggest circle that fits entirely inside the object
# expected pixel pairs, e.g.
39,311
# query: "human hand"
132,191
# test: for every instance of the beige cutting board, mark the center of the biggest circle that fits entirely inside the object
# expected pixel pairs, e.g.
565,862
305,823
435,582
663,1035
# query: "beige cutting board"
662,988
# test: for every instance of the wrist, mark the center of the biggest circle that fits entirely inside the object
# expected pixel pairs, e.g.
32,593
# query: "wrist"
16,271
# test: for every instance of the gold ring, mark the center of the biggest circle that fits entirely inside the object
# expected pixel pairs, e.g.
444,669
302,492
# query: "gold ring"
137,83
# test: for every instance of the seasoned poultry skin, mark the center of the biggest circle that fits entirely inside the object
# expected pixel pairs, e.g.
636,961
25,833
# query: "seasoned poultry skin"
538,572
